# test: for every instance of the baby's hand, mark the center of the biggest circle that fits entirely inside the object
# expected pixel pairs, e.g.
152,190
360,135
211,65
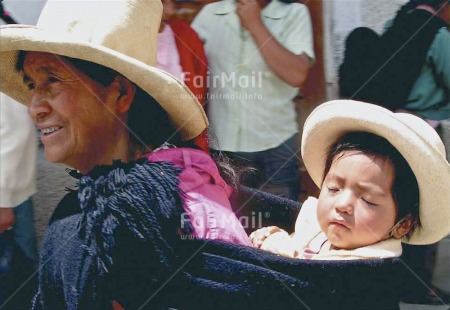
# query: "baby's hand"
258,236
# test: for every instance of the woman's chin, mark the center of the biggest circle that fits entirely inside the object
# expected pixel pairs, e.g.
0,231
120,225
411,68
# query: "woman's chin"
52,155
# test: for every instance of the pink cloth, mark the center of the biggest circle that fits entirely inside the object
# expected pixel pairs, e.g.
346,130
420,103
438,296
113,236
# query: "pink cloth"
168,58
314,247
207,202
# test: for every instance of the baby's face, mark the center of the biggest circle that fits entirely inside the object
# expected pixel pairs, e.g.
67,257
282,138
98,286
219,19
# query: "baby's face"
356,207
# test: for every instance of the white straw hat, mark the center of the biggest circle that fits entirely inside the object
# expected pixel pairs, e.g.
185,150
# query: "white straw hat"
119,34
418,142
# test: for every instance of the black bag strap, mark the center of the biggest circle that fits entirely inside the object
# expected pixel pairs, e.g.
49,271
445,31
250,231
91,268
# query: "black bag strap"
404,48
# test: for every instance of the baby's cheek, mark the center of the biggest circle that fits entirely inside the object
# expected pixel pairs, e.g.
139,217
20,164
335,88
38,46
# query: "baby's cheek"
373,226
322,216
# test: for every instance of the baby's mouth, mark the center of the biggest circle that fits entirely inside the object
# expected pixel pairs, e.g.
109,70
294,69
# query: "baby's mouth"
339,223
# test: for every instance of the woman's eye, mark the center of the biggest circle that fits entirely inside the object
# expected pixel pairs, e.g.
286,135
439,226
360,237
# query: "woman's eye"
53,79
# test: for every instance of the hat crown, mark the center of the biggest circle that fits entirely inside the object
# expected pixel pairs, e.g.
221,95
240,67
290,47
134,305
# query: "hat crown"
129,27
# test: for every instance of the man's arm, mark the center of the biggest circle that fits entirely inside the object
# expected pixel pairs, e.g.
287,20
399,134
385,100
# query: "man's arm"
291,68
7,219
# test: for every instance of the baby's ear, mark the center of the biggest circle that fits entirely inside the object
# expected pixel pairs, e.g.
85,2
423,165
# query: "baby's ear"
404,227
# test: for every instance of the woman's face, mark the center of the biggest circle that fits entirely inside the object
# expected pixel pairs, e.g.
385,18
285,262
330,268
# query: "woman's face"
356,207
77,117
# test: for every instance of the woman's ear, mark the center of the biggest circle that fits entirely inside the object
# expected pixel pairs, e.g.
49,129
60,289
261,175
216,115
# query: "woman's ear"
127,91
403,227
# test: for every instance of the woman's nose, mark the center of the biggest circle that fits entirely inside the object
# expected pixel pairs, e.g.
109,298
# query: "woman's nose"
39,106
345,202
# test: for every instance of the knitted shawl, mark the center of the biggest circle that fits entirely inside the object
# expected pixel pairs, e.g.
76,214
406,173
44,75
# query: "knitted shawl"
118,237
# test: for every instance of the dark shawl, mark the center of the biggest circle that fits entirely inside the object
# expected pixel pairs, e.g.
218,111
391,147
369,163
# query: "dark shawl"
118,238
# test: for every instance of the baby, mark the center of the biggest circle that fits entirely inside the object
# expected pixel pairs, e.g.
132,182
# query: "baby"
379,174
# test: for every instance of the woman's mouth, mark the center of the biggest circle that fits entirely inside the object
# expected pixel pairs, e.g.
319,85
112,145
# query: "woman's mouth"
49,130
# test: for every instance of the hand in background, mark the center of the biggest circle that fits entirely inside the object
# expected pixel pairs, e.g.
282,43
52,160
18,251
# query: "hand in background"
249,13
7,218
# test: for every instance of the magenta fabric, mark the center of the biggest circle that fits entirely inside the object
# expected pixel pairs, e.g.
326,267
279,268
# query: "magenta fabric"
207,196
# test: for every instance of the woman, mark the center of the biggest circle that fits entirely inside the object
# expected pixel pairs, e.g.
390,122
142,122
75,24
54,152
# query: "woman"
103,109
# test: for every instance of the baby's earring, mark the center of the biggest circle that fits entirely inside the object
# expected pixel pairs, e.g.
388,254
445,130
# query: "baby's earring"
401,228
392,230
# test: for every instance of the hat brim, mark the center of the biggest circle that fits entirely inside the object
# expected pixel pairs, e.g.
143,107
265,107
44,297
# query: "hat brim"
176,99
418,142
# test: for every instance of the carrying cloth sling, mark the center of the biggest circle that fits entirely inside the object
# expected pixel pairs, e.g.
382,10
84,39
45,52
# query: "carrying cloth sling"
114,250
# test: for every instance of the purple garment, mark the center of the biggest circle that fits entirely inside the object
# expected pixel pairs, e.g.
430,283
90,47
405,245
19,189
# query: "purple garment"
207,196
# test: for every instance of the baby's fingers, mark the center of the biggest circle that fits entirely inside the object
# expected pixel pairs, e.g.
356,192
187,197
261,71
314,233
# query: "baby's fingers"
257,237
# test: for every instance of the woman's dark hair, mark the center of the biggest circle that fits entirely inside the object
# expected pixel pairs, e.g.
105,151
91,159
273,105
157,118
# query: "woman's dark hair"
405,188
148,122
412,4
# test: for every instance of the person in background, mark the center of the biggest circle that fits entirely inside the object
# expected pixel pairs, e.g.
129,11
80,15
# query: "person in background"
18,250
18,155
430,94
180,53
259,54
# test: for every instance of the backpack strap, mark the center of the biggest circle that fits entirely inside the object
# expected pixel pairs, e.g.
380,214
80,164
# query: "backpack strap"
404,48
